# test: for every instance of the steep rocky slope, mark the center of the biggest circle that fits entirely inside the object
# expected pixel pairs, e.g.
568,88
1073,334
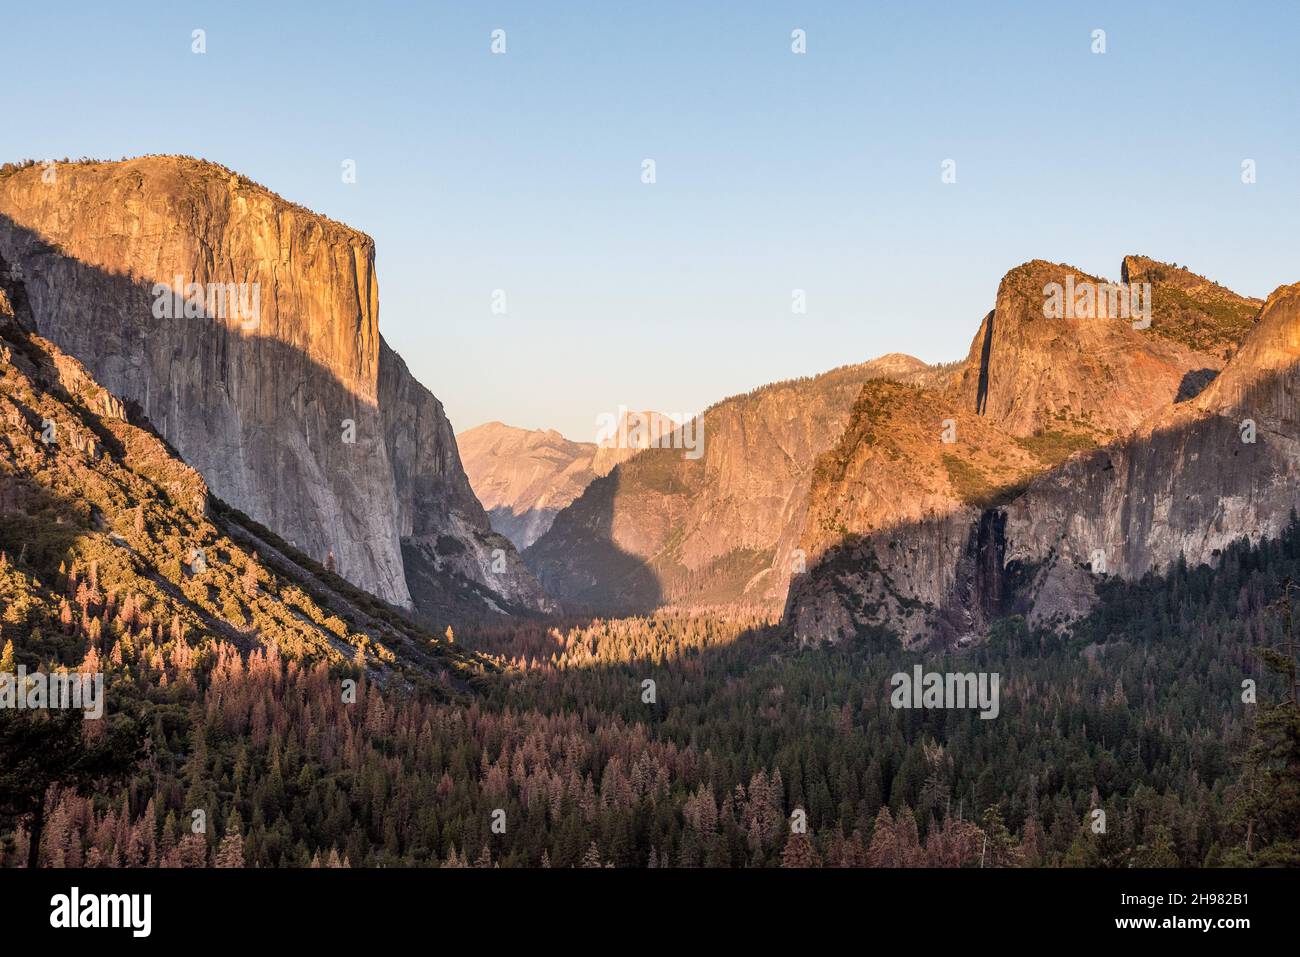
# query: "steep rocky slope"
1090,374
1188,482
1191,309
1075,442
289,404
524,477
894,518
107,537
665,528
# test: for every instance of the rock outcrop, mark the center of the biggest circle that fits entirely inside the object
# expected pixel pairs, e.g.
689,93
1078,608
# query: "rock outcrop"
97,505
524,477
718,529
1084,372
1069,448
1186,484
1191,309
895,513
245,329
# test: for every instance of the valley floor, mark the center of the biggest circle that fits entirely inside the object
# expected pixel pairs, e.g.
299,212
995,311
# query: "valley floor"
713,741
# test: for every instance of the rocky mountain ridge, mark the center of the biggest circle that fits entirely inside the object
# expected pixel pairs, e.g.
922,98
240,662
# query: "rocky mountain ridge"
106,537
524,477
1136,457
295,411
718,529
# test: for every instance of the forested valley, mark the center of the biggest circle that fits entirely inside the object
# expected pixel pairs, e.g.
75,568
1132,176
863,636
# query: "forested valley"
688,741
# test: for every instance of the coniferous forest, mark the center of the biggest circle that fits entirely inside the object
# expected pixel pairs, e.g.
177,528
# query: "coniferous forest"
1132,739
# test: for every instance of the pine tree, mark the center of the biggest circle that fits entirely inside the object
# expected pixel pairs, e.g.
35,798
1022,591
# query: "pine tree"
1269,808
230,853
49,750
799,852
999,849
883,851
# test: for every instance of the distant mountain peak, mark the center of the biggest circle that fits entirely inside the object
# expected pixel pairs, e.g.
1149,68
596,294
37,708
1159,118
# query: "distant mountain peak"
524,476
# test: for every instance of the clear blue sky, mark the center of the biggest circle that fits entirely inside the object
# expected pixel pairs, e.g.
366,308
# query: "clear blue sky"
775,171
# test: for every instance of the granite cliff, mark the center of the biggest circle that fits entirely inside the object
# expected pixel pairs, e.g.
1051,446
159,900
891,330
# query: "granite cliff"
246,330
109,542
524,477
1063,449
717,529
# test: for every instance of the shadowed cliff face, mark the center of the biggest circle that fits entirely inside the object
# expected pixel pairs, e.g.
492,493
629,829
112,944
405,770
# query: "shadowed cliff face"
1187,482
599,573
524,477
297,415
84,490
719,529
453,558
901,518
1021,510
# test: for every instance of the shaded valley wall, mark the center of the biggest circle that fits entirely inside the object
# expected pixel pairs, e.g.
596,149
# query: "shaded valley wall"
260,405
